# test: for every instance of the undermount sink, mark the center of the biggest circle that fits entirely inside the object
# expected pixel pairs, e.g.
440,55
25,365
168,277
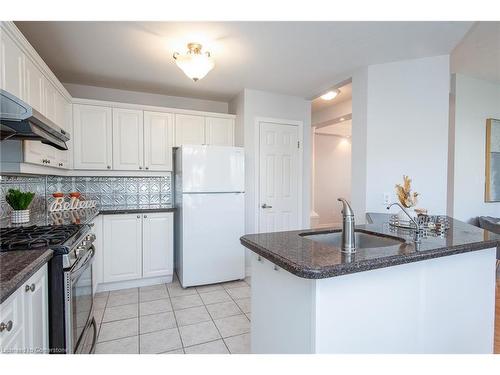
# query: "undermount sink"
363,240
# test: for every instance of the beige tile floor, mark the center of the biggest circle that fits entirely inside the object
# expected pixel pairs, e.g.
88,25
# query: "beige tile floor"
166,318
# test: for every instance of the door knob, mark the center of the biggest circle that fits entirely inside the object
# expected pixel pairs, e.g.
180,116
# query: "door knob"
266,206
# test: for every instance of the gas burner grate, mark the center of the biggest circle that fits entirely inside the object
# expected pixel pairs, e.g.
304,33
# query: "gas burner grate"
35,237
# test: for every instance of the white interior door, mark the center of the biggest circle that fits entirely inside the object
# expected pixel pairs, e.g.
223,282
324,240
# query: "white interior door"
278,177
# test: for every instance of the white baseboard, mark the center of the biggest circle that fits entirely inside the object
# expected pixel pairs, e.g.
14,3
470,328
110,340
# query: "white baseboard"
117,285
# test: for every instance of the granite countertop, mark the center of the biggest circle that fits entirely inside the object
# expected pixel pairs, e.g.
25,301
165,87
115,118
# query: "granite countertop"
85,215
18,266
314,260
114,210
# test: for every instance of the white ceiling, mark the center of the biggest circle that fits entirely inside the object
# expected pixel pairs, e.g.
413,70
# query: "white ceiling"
478,55
294,58
345,94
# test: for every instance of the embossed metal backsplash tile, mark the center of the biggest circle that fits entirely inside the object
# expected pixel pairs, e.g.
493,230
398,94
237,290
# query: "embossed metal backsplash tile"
35,184
112,191
107,191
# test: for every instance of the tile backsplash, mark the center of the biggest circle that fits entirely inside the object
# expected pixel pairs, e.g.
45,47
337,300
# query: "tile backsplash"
107,191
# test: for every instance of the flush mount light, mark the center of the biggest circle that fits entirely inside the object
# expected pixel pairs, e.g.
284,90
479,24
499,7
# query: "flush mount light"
342,119
331,94
194,63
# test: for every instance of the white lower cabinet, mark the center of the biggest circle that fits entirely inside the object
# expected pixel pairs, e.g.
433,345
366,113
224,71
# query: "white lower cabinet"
157,244
137,246
24,317
122,247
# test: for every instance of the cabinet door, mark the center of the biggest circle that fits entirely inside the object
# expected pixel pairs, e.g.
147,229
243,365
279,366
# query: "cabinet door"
34,87
11,66
219,131
12,314
64,120
189,130
36,311
158,244
92,143
158,141
50,94
122,247
128,142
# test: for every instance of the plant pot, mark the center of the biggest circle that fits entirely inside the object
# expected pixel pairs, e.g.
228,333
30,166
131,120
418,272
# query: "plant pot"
19,216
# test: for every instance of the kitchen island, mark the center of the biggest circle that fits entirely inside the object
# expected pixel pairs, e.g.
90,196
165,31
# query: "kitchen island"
435,296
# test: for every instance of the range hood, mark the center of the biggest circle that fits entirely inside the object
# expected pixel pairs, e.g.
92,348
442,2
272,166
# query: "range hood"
20,121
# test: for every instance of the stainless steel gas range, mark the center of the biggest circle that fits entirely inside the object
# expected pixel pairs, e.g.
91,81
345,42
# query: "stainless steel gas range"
72,327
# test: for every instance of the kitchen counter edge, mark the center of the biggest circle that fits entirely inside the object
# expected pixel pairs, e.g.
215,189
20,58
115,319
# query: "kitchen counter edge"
23,265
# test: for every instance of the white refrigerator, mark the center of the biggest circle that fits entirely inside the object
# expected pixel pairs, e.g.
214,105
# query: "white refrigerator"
209,196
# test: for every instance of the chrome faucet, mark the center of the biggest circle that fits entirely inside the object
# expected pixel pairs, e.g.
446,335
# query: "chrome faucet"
417,226
348,238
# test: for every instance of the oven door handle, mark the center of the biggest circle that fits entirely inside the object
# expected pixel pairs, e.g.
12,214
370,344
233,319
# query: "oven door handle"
75,272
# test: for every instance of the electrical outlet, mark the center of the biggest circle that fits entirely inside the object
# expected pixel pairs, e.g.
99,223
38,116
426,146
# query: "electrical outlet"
387,199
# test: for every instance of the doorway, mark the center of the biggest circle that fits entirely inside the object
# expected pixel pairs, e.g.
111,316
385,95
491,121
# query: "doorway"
331,123
279,190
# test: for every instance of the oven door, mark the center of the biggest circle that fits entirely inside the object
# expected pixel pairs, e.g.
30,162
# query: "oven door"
79,314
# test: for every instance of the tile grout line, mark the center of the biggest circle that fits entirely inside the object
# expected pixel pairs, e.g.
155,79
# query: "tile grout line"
174,312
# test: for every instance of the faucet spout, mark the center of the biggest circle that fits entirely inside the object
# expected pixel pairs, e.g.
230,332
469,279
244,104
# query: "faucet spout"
348,236
417,231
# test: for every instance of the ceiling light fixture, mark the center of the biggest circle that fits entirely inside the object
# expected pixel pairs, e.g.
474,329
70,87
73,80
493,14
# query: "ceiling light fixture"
194,63
331,94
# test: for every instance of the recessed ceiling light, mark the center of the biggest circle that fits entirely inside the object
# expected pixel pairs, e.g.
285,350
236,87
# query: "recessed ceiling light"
331,94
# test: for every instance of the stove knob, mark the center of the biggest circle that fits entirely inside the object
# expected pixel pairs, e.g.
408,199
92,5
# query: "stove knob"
80,251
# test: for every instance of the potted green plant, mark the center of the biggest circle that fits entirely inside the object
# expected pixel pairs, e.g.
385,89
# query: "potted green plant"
20,202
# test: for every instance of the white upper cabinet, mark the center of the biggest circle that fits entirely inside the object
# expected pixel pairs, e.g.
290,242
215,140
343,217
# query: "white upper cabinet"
34,86
219,131
158,141
189,130
11,66
92,137
158,244
128,141
50,102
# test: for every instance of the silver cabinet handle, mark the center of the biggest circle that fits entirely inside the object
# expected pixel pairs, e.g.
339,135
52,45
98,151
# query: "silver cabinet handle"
31,287
140,167
138,216
145,216
266,206
7,326
48,161
147,168
109,167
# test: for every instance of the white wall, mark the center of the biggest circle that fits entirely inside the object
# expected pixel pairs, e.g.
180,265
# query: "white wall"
237,107
136,97
265,104
475,101
332,176
359,143
407,130
329,113
250,104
